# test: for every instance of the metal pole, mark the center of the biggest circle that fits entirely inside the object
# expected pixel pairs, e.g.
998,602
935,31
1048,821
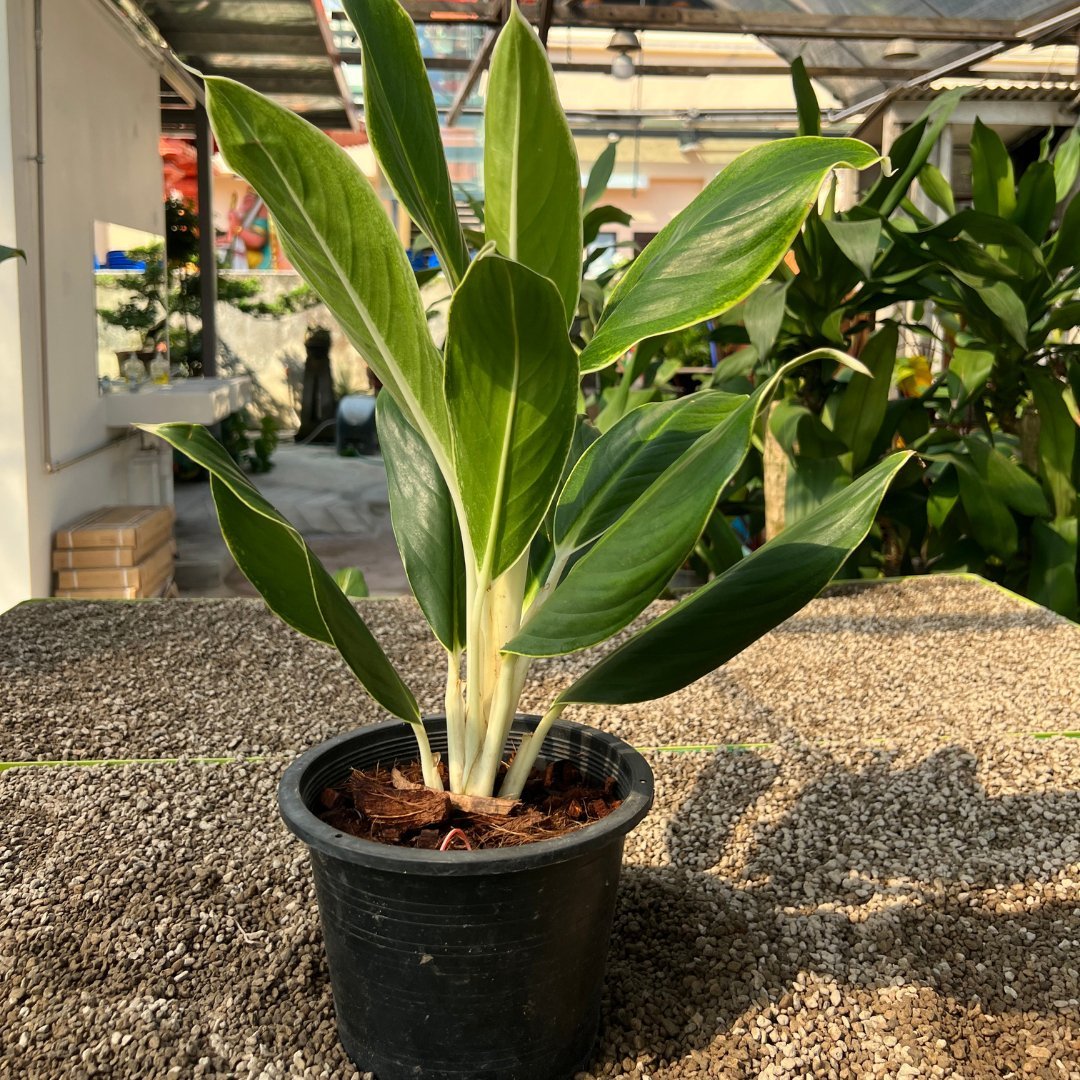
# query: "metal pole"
204,148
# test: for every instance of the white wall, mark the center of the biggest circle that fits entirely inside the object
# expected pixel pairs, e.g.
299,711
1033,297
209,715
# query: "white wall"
101,124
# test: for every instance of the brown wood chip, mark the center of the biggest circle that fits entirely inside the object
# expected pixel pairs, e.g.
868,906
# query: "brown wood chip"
482,804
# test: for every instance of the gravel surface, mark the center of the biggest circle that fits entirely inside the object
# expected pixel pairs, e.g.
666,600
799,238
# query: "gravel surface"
937,658
797,911
890,889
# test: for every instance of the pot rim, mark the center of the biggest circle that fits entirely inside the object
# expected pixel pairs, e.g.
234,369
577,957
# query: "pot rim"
302,822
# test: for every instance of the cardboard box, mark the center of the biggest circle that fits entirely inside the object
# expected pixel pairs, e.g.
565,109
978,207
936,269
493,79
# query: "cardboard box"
140,527
157,566
94,558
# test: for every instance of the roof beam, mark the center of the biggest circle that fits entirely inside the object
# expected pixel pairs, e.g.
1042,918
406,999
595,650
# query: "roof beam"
472,77
790,24
269,43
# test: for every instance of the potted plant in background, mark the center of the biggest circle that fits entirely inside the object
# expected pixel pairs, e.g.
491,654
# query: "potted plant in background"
523,532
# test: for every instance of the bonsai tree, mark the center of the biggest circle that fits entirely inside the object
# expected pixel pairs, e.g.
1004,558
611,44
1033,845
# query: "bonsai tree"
523,532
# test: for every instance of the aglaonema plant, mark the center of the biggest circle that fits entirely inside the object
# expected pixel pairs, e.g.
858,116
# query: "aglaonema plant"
523,533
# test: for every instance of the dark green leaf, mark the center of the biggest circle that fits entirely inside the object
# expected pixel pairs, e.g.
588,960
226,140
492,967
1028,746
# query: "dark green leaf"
1065,251
599,175
722,618
1009,482
1053,578
336,232
992,524
275,559
600,216
1035,200
806,101
763,315
511,394
858,240
967,374
425,525
1057,441
403,126
942,498
1066,165
532,180
862,408
723,245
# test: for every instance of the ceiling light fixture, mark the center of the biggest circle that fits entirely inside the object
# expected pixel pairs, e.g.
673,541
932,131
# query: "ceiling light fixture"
622,67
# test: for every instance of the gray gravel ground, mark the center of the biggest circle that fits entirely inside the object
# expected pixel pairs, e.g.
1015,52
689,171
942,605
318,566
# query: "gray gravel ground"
891,889
797,911
932,658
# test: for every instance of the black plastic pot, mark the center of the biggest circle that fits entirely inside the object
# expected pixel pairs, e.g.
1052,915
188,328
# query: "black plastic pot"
461,965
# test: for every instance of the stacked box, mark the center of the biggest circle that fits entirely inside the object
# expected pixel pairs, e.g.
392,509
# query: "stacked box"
116,553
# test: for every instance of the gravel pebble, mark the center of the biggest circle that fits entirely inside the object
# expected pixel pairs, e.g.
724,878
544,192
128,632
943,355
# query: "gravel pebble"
225,677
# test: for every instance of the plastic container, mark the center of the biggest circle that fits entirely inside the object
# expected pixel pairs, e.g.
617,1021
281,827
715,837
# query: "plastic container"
461,965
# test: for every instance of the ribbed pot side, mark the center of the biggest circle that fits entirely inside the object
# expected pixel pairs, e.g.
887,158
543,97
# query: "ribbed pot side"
460,965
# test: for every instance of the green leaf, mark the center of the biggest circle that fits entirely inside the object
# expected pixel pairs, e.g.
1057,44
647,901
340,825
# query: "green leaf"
763,315
992,524
723,245
810,484
351,581
1003,302
599,216
1035,200
1057,442
862,407
599,175
511,393
276,560
801,432
806,102
1066,247
758,593
936,188
620,466
633,560
992,183
1066,165
11,253
858,240
1052,580
1009,482
403,126
942,499
425,524
910,153
967,374
336,232
532,179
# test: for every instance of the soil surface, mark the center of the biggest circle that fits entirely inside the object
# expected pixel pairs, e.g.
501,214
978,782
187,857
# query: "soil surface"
392,806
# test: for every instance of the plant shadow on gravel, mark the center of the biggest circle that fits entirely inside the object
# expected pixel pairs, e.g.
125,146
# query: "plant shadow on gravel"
868,877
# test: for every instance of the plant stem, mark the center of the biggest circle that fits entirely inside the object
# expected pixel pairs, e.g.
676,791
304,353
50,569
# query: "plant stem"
455,720
427,760
526,755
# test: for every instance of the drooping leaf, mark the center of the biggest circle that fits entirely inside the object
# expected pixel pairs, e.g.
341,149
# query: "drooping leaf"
351,581
598,217
722,618
992,183
425,524
858,240
763,315
862,407
936,188
723,245
992,524
532,179
1066,165
967,373
1065,251
511,395
806,102
337,234
599,175
1057,442
617,468
403,126
1008,307
276,560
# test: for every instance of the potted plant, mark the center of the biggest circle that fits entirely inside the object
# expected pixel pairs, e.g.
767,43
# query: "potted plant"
524,534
